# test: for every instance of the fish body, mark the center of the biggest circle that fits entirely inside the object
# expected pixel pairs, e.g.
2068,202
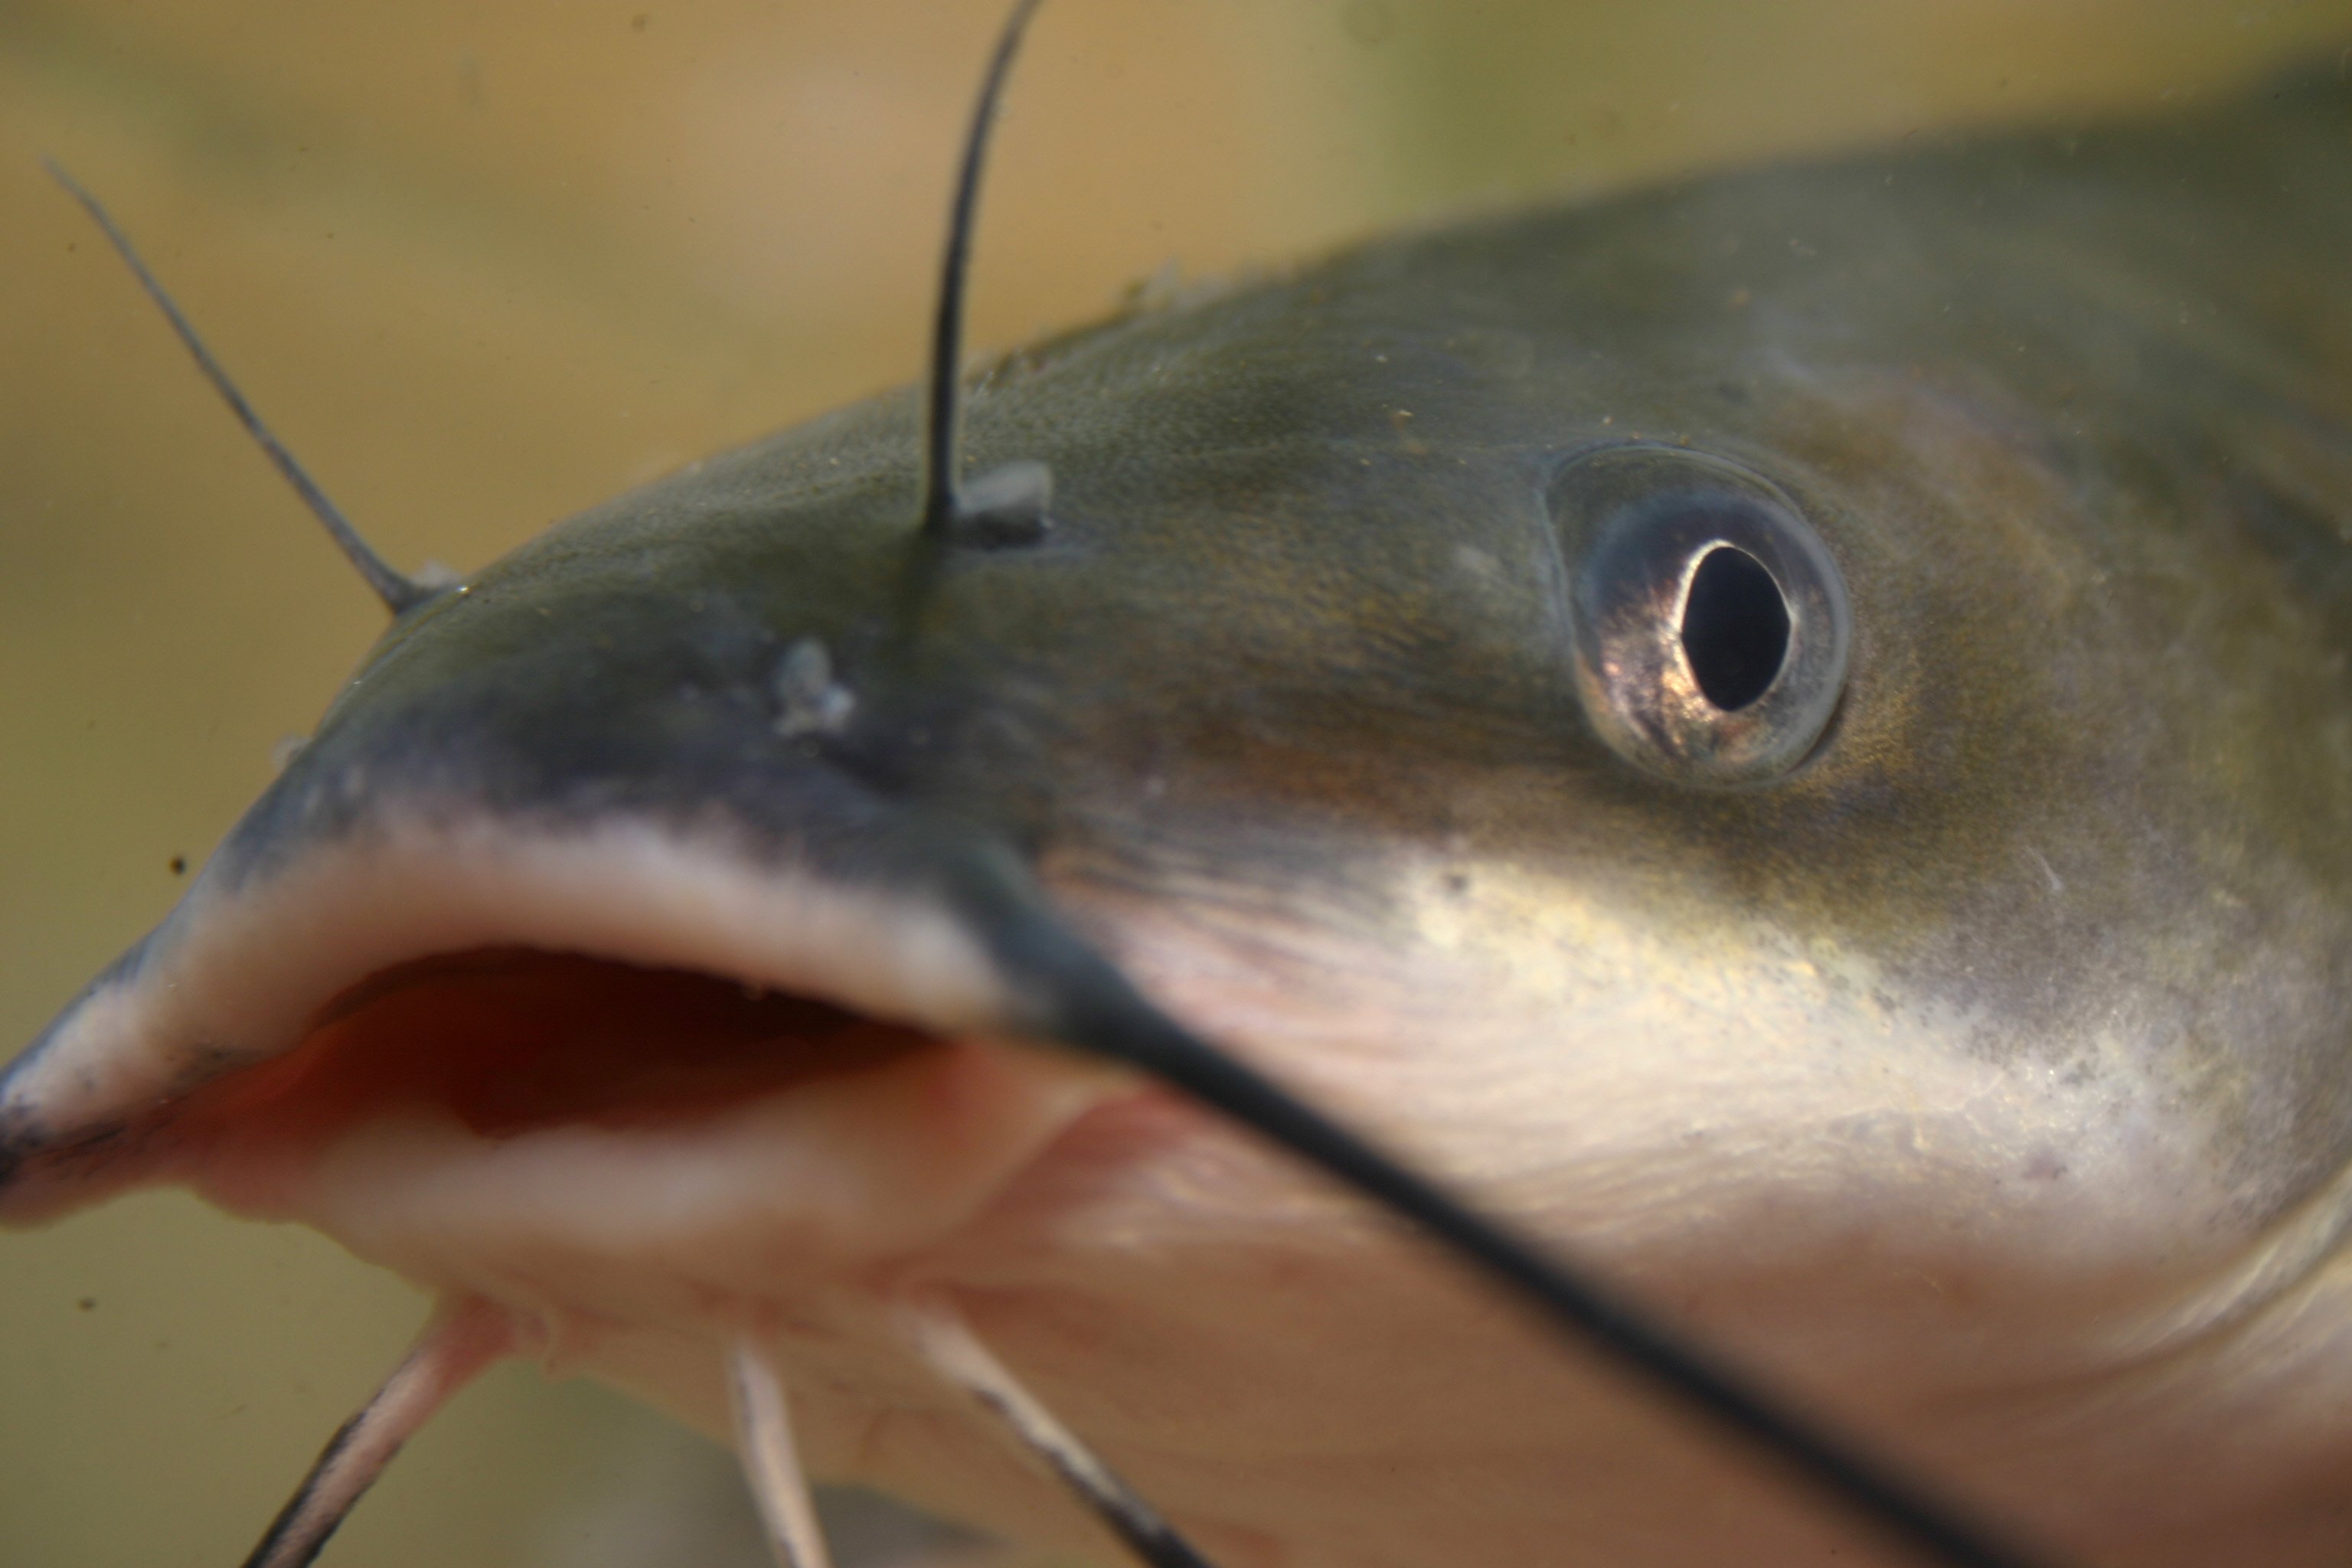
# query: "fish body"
1974,1071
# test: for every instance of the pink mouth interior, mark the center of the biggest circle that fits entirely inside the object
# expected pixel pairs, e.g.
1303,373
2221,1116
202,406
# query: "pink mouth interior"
512,1039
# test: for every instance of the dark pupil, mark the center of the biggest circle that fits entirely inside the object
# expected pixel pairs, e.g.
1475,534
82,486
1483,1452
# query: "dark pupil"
1735,627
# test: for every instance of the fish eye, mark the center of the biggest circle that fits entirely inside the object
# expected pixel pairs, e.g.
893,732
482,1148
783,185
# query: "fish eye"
1735,627
1709,621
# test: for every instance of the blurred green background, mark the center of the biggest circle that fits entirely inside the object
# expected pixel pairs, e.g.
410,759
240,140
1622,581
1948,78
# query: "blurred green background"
485,264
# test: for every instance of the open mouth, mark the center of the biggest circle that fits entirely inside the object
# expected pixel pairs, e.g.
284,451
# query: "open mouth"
526,1068
625,1099
538,1126
510,1040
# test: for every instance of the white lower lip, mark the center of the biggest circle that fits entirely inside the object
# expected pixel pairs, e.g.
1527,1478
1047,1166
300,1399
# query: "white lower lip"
664,1226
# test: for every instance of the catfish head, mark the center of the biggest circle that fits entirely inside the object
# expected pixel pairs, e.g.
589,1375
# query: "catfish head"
1808,781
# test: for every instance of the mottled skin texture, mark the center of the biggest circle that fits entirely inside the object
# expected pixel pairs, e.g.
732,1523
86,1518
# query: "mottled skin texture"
1282,711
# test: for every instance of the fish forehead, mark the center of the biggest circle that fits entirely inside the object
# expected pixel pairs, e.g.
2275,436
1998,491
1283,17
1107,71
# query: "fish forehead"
225,628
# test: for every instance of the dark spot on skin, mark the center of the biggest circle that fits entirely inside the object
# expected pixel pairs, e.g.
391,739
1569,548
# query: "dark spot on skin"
179,864
88,1304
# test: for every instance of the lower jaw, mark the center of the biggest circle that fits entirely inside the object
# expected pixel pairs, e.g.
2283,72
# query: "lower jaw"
847,1177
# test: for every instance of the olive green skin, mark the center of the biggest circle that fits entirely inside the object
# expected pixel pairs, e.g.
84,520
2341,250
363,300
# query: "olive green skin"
2073,411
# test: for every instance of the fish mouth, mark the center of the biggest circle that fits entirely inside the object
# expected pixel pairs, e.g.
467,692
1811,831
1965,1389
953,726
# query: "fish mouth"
511,1040
520,1062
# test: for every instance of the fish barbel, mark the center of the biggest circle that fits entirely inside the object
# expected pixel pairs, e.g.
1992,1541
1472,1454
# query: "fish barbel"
1932,997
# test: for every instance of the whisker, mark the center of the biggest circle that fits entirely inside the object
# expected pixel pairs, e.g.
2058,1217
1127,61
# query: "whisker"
451,1353
943,501
1080,1000
946,1342
771,1461
399,592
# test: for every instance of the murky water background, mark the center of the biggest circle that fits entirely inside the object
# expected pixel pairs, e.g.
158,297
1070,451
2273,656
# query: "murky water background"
487,264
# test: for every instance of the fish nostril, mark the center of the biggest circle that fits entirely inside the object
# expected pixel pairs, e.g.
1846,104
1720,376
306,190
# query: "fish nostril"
1735,627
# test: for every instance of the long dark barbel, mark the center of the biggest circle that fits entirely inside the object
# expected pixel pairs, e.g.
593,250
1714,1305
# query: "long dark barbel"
1006,505
399,592
1083,1001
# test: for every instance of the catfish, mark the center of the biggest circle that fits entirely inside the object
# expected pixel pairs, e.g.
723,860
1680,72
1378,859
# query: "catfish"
1762,759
